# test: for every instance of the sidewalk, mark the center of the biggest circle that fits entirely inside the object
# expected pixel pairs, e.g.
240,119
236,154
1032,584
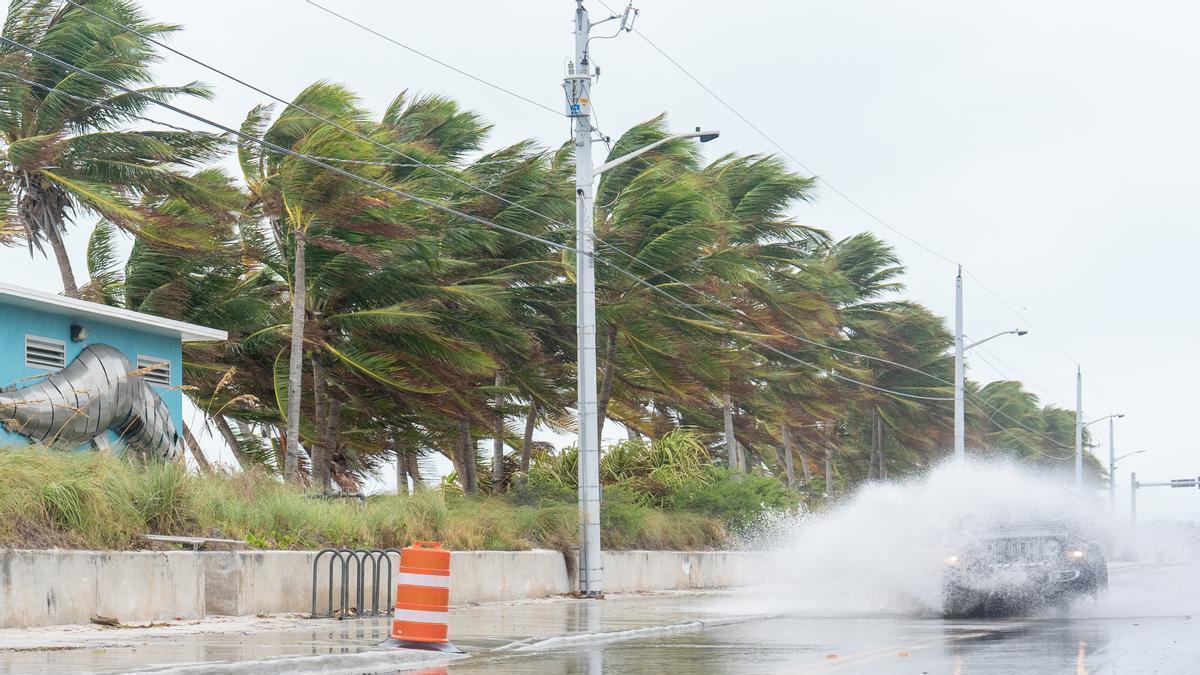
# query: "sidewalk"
293,644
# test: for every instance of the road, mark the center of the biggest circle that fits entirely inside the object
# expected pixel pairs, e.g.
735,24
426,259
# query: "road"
1149,622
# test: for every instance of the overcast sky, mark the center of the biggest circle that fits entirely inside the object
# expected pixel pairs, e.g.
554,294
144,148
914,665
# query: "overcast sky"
1051,148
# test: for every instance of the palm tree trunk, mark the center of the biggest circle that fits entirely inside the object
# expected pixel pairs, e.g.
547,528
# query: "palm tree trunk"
879,444
466,450
804,464
789,469
498,439
730,439
610,366
414,470
320,451
401,467
70,288
291,462
231,440
333,426
874,447
197,452
527,442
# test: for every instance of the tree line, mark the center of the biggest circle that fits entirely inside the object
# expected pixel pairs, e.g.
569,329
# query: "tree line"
393,289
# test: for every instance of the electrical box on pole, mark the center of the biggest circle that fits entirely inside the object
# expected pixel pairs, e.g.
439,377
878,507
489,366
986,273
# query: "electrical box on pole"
578,88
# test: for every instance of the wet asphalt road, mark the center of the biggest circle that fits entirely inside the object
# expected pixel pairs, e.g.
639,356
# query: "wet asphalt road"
1149,622
1145,624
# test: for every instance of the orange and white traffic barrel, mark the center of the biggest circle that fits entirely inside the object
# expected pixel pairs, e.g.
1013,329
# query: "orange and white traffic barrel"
422,599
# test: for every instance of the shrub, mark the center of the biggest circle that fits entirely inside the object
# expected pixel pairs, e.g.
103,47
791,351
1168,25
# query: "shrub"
739,501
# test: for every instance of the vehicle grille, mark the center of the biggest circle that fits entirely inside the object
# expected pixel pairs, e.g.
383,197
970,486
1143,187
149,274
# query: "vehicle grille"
1021,550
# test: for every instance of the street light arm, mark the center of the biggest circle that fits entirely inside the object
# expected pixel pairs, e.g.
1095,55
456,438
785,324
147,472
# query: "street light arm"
1101,419
1017,331
1128,454
704,136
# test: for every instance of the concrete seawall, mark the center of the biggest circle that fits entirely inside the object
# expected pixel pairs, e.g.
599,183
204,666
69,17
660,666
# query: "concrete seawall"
40,588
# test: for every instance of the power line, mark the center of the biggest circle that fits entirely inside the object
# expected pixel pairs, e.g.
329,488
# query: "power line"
280,149
833,188
720,207
434,59
480,79
1018,374
335,124
442,207
458,179
441,165
782,149
1045,336
1020,440
420,200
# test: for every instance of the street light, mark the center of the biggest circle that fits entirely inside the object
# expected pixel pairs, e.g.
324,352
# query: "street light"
578,88
704,136
1112,459
1016,331
960,397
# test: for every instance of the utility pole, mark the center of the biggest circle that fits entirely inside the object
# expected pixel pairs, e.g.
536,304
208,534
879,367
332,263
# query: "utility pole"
829,463
1078,428
578,87
1133,486
960,415
1112,466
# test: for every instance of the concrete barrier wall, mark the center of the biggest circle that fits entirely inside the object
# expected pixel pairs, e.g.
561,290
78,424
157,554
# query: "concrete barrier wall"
39,588
636,571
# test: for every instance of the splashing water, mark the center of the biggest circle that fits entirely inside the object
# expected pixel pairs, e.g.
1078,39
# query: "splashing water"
884,549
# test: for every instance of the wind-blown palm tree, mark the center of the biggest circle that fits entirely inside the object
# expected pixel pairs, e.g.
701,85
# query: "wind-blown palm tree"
66,148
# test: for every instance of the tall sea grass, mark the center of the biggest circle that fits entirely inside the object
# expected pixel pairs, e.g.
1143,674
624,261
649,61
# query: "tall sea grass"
100,501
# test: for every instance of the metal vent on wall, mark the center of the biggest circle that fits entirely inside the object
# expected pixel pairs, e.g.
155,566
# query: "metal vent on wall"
154,371
43,352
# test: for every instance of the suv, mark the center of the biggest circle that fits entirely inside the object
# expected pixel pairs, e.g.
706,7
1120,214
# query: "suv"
1021,570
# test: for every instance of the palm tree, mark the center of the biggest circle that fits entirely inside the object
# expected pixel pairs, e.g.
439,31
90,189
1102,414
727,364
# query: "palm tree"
297,197
67,150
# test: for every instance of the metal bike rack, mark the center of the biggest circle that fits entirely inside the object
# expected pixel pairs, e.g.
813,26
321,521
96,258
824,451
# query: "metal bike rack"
346,561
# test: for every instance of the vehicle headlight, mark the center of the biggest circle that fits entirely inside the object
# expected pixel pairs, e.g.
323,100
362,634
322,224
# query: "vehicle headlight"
952,560
1076,553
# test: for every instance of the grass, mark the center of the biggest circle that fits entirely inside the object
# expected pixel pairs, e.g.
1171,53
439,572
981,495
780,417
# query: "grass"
99,501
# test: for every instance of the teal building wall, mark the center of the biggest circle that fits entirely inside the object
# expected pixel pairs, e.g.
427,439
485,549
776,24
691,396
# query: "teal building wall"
16,322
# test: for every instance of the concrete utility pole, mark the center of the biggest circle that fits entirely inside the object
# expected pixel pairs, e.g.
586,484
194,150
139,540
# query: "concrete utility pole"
960,414
578,87
731,449
1078,428
1133,486
829,462
1112,465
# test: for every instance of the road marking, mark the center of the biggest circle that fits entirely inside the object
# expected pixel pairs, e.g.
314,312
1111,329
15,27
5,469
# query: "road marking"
896,650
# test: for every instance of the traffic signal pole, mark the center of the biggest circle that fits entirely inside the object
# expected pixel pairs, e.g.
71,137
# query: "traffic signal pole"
1175,483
